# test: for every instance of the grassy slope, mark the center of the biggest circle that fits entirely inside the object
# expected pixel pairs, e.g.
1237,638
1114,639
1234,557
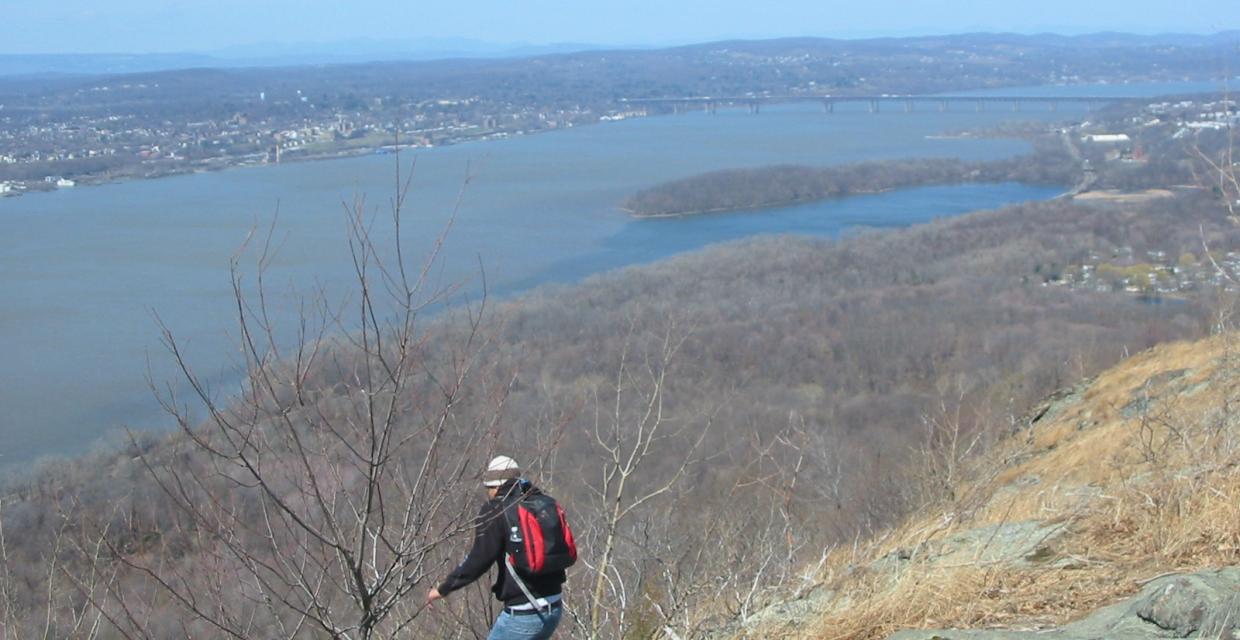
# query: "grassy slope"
1131,476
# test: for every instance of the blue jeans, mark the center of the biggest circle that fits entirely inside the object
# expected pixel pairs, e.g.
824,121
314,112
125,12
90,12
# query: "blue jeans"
528,626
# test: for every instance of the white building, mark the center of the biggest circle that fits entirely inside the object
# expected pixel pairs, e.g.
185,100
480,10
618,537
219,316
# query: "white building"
1106,137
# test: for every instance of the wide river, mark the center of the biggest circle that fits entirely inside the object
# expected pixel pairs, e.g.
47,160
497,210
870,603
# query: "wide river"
84,272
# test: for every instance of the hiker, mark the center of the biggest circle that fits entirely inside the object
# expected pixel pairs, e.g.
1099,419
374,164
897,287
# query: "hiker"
530,593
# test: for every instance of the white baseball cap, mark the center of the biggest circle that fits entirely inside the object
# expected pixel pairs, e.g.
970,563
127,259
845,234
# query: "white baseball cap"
499,470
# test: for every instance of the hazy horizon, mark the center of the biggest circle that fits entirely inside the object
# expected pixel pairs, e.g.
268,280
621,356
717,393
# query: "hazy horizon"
361,46
183,26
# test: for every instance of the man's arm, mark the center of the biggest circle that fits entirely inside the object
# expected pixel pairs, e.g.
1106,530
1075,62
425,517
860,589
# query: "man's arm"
487,548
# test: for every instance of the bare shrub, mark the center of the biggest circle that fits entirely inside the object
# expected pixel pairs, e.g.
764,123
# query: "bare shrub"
315,501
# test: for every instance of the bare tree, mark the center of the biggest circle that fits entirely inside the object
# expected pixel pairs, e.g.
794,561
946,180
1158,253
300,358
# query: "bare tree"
632,428
65,577
1217,168
319,497
1217,171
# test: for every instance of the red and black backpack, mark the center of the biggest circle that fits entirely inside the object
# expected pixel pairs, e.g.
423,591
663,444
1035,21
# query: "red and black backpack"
538,540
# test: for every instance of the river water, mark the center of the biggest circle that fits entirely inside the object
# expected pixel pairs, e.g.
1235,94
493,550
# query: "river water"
85,272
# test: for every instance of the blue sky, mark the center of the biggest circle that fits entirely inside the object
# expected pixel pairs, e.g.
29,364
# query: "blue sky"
78,26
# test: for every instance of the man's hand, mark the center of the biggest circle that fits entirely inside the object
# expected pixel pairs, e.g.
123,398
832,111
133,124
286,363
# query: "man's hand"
433,595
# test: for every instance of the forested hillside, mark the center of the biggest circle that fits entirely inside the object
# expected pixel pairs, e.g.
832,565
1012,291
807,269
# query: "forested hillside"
714,422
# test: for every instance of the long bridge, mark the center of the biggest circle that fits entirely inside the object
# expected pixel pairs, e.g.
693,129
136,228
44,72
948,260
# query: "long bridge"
874,103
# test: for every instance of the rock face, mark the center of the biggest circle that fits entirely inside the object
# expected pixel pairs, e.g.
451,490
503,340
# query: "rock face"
1102,485
1204,605
1015,544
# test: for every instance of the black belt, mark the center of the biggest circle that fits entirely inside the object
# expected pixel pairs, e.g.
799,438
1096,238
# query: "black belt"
527,612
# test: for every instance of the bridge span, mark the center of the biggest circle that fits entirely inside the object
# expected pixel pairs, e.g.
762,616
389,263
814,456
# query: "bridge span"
873,103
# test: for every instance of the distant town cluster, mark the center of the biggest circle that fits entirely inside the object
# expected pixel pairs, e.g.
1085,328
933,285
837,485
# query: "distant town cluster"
88,148
66,130
1123,148
1179,119
1152,273
1189,116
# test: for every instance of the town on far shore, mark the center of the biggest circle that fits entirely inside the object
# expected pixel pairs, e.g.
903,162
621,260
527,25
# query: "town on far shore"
65,130
110,148
100,146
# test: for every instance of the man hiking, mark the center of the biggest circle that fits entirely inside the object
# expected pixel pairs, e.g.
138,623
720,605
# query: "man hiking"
529,576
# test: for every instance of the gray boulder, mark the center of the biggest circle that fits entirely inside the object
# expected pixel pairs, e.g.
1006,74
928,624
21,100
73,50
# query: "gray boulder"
1204,606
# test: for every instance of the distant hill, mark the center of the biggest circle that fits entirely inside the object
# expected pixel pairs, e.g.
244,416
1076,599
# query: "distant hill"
102,63
361,50
364,50
276,55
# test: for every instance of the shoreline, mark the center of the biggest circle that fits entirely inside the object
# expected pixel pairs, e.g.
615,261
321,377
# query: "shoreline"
211,165
773,205
224,163
510,294
732,189
229,162
792,203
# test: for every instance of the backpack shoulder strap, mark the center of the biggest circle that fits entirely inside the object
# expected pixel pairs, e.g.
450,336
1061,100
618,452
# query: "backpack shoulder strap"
525,591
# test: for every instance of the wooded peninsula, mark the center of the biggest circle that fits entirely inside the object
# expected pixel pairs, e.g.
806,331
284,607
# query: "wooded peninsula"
783,185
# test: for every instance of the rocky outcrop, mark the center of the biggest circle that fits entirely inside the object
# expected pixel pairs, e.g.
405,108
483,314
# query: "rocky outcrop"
1203,605
1132,474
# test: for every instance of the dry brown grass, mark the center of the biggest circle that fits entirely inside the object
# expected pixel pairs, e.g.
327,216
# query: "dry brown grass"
1142,470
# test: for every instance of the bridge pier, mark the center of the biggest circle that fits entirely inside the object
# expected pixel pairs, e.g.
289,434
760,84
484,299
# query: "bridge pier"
828,106
873,106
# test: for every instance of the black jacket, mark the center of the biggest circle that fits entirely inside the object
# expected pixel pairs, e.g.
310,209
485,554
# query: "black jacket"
490,533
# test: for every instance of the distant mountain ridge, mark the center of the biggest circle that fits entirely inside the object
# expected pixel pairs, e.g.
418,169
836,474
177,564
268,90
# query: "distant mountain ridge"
363,50
97,64
277,55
